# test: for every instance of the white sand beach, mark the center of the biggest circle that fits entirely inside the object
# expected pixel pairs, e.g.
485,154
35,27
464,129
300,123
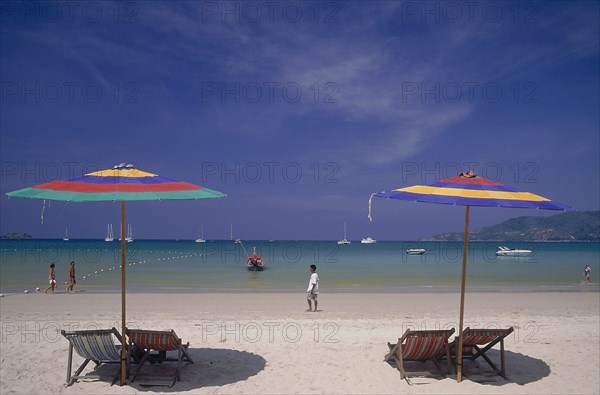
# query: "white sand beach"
268,343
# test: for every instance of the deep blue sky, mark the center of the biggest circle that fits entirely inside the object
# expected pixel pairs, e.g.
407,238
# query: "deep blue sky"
241,97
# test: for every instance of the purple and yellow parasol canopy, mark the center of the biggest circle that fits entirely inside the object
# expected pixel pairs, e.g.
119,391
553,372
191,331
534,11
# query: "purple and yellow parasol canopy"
121,183
472,191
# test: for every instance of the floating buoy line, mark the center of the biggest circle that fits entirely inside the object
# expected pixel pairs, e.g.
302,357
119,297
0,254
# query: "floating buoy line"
91,275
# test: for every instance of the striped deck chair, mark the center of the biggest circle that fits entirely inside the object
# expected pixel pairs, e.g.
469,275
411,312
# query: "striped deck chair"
420,346
161,341
473,338
92,345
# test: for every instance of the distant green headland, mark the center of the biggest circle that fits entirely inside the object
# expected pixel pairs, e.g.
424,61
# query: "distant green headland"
568,226
15,236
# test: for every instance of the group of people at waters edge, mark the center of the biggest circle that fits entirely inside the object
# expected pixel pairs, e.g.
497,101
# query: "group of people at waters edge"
312,291
52,278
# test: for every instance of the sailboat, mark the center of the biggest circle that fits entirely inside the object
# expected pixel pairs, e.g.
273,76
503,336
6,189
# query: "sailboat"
66,238
237,241
129,237
201,238
109,233
344,241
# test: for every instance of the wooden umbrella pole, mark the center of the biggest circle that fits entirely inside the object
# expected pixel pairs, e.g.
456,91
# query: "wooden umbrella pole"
123,277
459,352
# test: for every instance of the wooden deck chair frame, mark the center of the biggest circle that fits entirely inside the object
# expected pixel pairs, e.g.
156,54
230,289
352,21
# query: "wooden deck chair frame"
421,346
161,341
488,338
92,345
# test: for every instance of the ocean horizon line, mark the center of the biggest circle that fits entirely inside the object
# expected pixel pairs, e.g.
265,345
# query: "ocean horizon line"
302,240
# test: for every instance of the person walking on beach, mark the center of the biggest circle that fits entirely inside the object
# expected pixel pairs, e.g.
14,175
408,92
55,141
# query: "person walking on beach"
71,273
313,288
587,271
51,279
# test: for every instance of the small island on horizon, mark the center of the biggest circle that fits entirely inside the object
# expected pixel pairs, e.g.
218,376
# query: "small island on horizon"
16,235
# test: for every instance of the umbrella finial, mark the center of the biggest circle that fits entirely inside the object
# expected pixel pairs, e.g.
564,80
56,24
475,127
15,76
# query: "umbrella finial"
469,174
124,165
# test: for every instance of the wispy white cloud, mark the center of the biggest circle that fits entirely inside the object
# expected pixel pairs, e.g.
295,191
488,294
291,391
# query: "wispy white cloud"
369,55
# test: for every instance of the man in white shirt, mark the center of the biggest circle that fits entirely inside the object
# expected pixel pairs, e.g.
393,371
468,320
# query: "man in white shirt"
313,288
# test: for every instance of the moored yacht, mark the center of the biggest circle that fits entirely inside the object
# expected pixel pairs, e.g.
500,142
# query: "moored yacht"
368,240
109,233
505,251
201,238
344,240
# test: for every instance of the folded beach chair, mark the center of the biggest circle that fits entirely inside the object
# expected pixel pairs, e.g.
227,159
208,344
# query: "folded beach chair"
473,338
92,345
420,346
161,341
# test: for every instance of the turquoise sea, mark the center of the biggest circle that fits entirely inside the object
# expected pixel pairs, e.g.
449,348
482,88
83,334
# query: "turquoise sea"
217,266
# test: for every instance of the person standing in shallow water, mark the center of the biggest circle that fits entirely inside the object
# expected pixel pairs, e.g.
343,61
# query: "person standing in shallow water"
71,273
587,271
51,279
313,288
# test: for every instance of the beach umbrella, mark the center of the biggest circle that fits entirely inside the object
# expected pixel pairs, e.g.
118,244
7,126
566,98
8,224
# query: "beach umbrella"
468,190
121,183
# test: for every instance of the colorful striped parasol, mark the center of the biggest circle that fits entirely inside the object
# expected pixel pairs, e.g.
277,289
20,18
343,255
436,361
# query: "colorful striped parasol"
468,190
121,183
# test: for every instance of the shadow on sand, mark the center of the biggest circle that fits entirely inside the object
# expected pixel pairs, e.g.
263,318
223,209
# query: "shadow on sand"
520,369
211,367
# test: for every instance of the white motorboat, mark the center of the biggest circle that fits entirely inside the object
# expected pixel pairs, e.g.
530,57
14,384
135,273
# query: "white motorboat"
368,240
109,233
416,251
505,251
344,240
